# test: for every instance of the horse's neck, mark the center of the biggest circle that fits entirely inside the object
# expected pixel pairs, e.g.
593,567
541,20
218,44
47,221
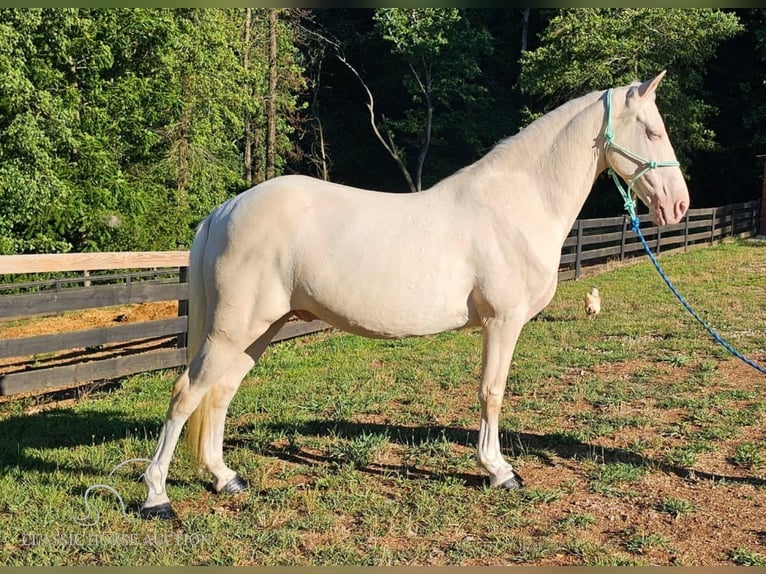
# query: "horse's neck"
559,154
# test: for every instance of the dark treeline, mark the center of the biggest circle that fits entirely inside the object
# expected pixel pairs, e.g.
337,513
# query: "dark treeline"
121,128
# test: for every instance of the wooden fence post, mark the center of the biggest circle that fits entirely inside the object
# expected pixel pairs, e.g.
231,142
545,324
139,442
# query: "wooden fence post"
731,220
686,231
183,308
623,237
712,225
578,251
659,237
762,227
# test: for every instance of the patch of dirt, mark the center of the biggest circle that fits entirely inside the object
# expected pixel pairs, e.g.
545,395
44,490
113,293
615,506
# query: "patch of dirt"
90,319
79,321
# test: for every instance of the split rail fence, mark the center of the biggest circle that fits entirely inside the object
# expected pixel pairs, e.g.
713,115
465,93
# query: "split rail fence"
34,286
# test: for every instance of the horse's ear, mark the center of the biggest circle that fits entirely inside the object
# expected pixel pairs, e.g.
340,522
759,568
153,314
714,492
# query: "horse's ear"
639,93
649,86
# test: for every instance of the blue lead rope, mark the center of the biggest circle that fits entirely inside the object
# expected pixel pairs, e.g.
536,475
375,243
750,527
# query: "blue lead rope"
713,333
630,207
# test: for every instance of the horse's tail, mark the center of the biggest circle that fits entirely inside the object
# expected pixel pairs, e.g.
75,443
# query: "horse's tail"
198,422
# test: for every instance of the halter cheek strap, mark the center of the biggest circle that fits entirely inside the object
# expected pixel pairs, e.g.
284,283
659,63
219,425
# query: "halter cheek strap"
646,164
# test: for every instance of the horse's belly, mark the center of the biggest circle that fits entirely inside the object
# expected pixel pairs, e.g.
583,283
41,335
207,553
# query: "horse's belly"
393,326
375,311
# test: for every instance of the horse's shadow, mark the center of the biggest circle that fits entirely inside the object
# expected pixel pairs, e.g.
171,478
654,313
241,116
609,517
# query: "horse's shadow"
540,445
25,437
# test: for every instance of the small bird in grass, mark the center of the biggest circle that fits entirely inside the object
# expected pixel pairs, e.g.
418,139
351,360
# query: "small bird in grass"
592,303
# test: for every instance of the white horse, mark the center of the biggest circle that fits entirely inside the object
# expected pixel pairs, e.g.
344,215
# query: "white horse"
480,248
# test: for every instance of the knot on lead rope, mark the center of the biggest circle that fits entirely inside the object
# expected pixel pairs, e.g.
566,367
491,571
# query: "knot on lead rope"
652,164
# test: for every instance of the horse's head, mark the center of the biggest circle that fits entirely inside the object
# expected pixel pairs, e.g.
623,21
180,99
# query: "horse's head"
638,149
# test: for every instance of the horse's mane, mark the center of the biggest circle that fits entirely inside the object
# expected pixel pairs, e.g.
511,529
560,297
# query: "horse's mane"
527,142
524,147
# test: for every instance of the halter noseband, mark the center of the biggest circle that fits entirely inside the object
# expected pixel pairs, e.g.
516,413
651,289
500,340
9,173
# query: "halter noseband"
646,164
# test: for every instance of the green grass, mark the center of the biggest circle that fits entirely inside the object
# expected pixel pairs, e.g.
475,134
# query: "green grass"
362,452
745,557
676,506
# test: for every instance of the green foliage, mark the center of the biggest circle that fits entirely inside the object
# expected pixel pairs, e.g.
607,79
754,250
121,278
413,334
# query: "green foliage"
755,112
120,128
676,506
443,51
595,48
742,556
417,32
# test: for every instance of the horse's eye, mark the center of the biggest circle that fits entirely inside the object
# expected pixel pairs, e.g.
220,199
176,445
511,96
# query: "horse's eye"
653,135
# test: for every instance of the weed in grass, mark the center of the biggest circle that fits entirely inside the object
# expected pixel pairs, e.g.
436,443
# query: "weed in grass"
742,556
563,438
608,479
676,361
683,456
741,416
739,394
644,444
592,425
541,495
748,455
617,473
359,451
717,432
641,542
575,520
611,560
675,506
585,550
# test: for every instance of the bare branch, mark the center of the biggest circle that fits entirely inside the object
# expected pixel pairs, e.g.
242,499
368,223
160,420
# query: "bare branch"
388,144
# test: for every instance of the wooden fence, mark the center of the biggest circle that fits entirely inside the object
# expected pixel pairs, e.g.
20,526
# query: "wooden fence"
596,241
62,360
80,281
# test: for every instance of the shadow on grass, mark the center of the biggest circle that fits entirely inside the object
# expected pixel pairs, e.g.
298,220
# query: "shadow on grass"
24,435
562,446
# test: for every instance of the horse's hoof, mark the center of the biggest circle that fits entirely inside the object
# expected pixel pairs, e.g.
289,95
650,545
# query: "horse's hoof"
513,483
161,511
235,485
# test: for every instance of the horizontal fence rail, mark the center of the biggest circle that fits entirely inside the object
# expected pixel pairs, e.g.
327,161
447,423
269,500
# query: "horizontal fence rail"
82,281
597,241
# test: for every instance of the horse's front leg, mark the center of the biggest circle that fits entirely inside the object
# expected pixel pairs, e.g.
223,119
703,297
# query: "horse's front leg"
500,338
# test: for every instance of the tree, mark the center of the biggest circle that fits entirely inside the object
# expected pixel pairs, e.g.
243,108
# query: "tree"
595,48
60,171
273,79
755,114
441,50
434,68
122,128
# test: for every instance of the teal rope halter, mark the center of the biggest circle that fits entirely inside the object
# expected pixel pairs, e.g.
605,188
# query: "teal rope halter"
630,207
646,164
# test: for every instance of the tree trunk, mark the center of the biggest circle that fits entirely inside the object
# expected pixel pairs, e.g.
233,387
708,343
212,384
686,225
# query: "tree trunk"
271,110
248,120
426,88
524,28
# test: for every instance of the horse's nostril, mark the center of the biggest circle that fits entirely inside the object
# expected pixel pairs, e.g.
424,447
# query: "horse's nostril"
681,208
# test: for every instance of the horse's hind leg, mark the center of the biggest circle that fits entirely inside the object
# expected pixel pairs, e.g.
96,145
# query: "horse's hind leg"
205,430
215,359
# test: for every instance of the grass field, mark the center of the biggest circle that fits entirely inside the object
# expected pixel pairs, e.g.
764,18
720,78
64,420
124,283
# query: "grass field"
639,439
